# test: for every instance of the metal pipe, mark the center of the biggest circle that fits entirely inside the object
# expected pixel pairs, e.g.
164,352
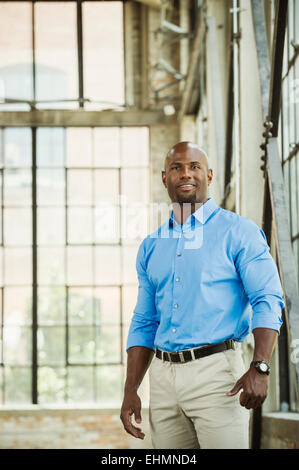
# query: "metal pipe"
235,12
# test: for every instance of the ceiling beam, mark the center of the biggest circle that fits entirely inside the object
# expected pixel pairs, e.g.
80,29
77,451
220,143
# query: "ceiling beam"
78,118
151,3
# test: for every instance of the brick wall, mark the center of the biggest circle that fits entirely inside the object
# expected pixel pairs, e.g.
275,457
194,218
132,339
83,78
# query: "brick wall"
82,428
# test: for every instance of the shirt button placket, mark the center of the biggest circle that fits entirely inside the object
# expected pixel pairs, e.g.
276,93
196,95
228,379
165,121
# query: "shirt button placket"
176,287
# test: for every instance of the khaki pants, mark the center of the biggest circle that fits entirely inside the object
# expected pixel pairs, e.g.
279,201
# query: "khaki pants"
188,407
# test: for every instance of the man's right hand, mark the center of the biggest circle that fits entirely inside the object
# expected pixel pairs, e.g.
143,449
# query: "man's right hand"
131,406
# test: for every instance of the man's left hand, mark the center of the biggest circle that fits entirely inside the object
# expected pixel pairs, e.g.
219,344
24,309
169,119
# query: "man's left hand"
255,387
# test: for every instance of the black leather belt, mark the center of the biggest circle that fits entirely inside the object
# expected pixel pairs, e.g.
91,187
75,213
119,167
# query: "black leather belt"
187,355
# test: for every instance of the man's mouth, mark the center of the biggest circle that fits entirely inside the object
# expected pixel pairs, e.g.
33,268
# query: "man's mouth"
186,187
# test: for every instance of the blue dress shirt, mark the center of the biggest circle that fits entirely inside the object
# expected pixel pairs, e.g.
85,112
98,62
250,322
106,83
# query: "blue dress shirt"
201,282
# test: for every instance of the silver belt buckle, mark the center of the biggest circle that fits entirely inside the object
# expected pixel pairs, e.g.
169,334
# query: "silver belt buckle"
181,355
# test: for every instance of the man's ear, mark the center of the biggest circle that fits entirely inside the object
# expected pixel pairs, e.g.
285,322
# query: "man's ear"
164,178
210,175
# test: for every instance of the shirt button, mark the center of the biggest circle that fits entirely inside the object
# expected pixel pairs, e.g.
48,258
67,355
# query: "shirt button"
173,330
177,279
175,305
179,254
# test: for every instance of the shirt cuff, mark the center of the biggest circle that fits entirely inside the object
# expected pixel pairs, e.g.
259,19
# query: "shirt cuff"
265,316
137,340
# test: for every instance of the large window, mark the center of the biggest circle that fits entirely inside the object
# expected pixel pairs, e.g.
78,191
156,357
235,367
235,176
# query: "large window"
74,211
62,54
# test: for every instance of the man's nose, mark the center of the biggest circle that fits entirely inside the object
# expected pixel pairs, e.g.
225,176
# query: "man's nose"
185,172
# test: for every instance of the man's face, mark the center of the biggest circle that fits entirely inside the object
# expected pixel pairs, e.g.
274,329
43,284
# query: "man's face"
186,176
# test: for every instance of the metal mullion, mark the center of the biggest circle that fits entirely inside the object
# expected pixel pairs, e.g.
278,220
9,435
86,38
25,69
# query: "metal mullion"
66,343
93,266
277,64
33,52
292,154
121,248
2,266
2,363
2,192
88,364
34,274
229,126
65,275
80,53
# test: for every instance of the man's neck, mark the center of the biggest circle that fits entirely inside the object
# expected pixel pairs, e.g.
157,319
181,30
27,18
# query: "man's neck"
181,211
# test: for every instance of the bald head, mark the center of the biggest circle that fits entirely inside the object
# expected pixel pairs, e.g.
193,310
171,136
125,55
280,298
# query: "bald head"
183,147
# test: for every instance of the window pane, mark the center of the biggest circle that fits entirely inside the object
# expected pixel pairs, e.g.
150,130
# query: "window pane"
107,223
50,268
17,187
51,187
80,384
17,147
51,384
80,306
1,266
109,384
1,147
51,226
106,146
134,146
129,297
17,305
56,53
106,186
17,227
1,381
18,383
103,53
17,345
134,185
80,225
135,222
107,305
51,305
18,266
129,264
78,145
79,187
79,265
125,332
16,53
107,260
51,345
108,344
50,146
81,344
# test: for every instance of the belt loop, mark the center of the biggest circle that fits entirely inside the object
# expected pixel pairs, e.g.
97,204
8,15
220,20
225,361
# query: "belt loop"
192,354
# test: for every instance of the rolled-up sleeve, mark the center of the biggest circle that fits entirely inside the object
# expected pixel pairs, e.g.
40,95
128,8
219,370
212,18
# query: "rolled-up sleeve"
259,276
144,322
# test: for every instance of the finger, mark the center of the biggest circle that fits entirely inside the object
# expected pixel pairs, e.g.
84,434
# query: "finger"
136,432
129,427
248,401
235,389
137,414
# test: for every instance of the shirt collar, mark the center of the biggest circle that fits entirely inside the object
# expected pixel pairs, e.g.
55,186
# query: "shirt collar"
202,214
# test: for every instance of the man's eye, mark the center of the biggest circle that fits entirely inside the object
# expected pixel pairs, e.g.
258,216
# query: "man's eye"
196,166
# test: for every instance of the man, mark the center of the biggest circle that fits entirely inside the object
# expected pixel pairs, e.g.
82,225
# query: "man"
196,285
